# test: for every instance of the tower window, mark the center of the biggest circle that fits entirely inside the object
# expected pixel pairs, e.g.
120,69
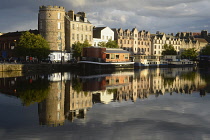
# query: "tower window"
59,35
59,15
59,25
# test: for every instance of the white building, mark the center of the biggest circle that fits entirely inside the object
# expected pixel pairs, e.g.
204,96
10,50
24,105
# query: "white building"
57,56
102,34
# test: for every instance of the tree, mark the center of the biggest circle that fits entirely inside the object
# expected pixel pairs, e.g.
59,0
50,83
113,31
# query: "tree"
32,45
169,50
109,44
102,44
77,85
77,47
189,53
33,92
206,50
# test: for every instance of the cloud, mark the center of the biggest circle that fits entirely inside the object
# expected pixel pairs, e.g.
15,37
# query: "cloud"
163,15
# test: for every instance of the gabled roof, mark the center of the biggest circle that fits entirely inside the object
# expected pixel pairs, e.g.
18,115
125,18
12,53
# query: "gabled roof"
201,40
97,32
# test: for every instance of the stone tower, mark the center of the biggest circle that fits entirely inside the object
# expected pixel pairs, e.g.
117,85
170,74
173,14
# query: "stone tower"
51,26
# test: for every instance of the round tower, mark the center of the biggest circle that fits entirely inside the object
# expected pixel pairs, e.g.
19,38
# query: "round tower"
51,26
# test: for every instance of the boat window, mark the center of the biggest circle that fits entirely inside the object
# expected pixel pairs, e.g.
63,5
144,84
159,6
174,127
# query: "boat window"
107,56
112,56
117,56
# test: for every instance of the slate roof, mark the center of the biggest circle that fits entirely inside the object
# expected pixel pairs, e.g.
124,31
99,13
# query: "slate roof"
97,32
201,40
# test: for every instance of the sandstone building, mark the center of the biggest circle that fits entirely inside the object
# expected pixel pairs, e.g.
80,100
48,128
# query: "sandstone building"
160,39
134,41
62,29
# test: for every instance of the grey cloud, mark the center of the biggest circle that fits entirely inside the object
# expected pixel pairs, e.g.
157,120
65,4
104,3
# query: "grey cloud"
152,15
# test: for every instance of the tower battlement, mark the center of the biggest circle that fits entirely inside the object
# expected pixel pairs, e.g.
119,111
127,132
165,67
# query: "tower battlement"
53,8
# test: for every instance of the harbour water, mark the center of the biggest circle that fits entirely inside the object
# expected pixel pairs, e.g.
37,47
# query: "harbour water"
148,104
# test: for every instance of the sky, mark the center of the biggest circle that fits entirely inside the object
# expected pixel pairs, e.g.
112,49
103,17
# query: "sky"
169,16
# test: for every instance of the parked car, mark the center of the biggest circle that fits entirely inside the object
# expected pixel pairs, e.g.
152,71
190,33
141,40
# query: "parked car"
73,61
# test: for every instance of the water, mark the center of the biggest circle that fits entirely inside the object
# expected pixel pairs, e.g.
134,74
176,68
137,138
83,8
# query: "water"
145,104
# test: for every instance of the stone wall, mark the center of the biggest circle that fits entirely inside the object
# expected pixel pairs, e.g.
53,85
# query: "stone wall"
35,67
11,67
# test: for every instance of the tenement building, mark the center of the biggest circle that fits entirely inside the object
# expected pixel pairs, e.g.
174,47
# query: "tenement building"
160,39
193,40
134,41
62,29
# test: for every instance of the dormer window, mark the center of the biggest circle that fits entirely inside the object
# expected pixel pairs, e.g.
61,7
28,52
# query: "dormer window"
85,19
77,18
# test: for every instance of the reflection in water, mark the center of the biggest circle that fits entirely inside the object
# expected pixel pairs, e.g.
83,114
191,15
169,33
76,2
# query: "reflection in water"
62,96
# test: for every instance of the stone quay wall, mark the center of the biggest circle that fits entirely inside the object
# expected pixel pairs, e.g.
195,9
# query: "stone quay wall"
35,67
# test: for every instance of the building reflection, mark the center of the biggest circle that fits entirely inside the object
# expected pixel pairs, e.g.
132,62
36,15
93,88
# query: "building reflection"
76,102
71,96
51,110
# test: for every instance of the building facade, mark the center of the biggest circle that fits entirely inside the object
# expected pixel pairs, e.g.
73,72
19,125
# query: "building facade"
102,34
160,39
77,28
51,26
99,54
62,29
134,41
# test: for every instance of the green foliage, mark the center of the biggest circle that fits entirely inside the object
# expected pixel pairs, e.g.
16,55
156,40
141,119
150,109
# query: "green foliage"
168,81
188,76
189,54
77,47
112,44
109,44
32,45
102,44
31,92
110,91
76,85
206,50
86,93
169,50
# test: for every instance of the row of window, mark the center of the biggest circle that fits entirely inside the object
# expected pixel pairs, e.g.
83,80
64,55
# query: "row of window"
159,47
130,34
167,42
82,27
137,49
107,37
81,95
115,56
159,52
81,37
79,104
5,46
135,42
